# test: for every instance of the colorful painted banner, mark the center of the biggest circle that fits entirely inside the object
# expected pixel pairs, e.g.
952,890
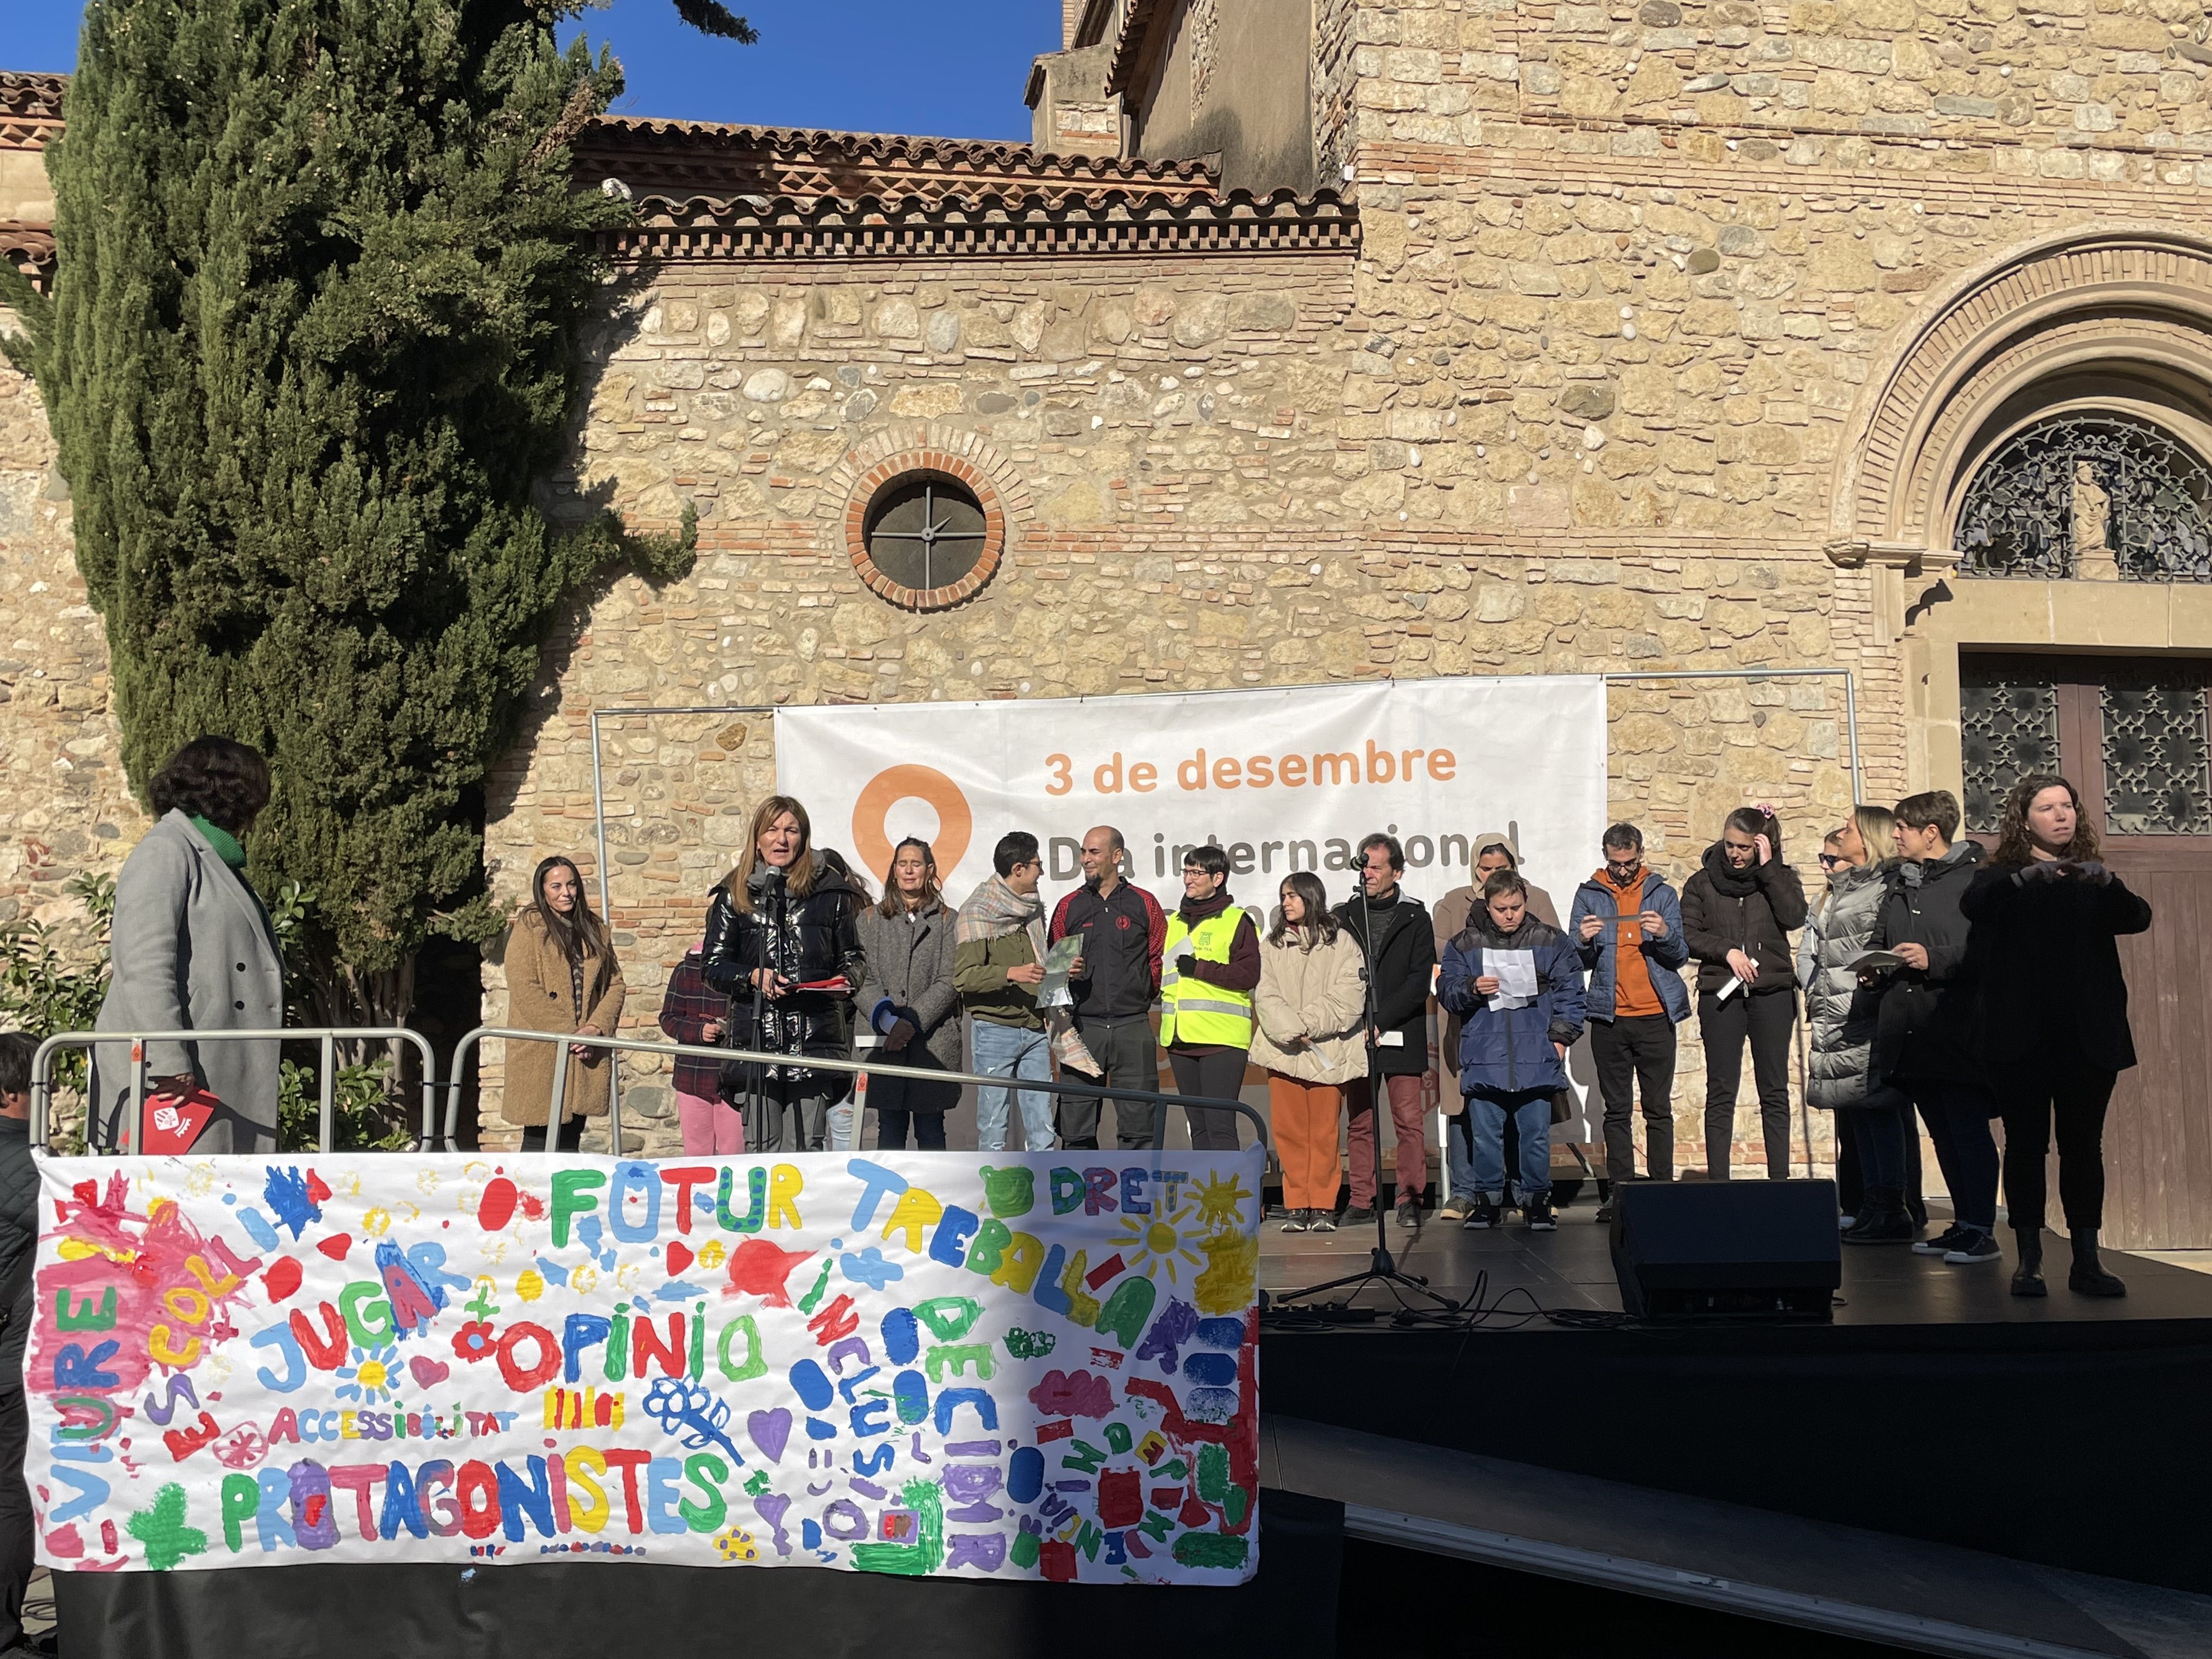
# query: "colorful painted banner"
1043,1366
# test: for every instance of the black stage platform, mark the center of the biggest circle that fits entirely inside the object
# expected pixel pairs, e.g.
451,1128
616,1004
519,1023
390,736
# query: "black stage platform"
1936,1405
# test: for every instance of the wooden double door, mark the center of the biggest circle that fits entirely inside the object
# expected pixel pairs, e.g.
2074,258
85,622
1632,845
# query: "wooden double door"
2132,735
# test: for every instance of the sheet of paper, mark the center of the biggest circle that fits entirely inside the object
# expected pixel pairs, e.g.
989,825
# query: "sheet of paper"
1052,989
1515,973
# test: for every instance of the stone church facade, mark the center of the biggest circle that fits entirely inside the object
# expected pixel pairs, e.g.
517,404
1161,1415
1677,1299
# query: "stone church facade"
1750,353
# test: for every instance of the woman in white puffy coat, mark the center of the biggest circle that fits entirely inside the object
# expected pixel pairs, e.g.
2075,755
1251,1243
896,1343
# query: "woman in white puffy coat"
1874,1124
1309,1020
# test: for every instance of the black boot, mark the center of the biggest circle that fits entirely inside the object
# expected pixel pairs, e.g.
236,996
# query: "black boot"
2027,1278
2089,1277
1882,1219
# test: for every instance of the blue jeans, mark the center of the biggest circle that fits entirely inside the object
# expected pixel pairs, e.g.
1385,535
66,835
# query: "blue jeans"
1532,1121
1012,1051
1459,1152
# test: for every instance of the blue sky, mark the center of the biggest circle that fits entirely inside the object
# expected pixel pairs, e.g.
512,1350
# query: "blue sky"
952,70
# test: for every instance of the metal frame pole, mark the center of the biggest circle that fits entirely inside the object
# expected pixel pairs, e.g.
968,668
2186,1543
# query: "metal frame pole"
473,1040
1851,696
328,1082
328,1036
606,884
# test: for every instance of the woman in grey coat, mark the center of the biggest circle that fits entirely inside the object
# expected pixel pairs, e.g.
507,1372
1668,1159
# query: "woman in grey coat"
908,999
192,949
1841,1076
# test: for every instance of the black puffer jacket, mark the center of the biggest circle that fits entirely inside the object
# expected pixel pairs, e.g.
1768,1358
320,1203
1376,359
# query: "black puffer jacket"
1401,948
1927,1027
816,941
19,1243
1753,911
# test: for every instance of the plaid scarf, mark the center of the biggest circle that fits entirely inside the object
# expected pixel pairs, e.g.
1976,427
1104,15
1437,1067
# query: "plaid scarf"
992,911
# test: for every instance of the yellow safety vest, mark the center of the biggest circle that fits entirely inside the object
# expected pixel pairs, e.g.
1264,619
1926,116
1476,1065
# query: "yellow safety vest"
1194,1010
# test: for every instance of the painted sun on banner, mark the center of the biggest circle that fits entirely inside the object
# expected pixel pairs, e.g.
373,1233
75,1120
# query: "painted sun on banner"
1045,1366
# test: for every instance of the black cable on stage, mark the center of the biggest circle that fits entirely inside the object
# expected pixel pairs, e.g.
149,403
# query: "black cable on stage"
1512,1310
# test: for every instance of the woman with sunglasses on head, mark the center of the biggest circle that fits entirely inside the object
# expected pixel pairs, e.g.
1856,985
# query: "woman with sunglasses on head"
907,998
2048,915
1874,1120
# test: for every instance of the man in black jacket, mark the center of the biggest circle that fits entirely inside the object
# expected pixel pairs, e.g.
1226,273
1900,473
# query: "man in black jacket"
1401,958
1114,984
19,1238
1925,1029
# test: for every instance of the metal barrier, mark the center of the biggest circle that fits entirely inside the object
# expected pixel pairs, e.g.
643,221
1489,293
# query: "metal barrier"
327,1036
619,1046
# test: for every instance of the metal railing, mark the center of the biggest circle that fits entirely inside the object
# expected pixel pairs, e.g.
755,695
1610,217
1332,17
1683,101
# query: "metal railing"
618,1046
327,1038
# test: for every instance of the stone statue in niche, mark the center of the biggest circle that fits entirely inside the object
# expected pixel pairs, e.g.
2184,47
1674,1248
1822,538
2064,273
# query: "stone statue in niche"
2093,554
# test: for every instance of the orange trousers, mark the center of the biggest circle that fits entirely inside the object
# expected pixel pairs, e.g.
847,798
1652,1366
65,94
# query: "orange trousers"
1305,1117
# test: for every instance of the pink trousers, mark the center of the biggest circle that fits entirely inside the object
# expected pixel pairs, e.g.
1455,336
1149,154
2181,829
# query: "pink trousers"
710,1126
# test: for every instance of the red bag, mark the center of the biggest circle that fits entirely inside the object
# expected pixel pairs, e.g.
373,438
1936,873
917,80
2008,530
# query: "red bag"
172,1123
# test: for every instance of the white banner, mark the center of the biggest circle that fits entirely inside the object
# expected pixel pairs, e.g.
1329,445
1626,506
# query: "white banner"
1045,1366
1281,779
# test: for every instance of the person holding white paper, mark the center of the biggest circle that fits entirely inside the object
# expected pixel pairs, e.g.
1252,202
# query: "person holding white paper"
1516,985
1626,923
1494,850
1738,912
1400,950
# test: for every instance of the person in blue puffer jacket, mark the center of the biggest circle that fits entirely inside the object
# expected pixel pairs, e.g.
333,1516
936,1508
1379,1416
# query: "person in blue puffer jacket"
1512,1058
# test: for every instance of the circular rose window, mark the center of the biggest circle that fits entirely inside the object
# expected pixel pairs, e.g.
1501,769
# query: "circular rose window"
924,539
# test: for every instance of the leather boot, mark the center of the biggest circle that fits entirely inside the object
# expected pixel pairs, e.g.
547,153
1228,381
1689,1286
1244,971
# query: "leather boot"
1882,1219
2088,1277
2027,1278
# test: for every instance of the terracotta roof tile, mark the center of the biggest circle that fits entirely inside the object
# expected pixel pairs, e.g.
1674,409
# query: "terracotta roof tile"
686,158
988,224
30,108
29,248
1137,22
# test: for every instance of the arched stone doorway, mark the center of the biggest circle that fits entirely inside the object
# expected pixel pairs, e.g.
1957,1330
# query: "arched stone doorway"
2030,488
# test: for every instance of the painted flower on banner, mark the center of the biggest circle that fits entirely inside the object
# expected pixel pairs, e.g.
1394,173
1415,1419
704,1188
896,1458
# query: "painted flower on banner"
475,1340
373,1376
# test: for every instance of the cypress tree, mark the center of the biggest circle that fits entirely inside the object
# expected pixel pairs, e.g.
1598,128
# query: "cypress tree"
309,355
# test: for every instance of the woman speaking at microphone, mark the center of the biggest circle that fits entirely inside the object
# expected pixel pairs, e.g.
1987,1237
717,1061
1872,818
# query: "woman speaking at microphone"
781,942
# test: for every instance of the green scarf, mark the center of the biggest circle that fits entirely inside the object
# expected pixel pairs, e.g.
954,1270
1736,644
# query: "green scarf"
225,844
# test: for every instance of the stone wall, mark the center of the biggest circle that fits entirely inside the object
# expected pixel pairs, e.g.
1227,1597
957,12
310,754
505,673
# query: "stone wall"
2112,89
66,808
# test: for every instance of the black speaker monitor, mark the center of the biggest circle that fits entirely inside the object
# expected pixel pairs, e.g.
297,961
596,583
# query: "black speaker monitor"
1727,1249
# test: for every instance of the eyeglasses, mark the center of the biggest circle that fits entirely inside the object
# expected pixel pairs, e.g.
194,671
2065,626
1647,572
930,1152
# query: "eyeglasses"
1831,860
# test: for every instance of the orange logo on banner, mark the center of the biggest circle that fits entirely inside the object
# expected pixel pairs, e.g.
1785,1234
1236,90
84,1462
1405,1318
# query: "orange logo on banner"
956,826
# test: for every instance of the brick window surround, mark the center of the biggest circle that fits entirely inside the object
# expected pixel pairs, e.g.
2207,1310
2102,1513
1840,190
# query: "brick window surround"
906,464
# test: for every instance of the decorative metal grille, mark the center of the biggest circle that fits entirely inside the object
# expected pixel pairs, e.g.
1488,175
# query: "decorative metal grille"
2076,492
2008,724
2157,757
925,532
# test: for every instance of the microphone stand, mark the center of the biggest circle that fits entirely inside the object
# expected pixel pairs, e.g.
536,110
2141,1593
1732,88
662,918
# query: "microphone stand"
1382,1266
757,1090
